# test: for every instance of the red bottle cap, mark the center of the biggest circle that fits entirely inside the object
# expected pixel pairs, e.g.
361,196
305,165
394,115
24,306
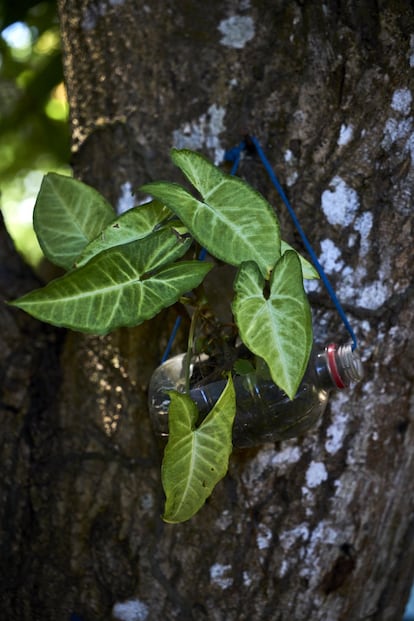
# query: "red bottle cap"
333,367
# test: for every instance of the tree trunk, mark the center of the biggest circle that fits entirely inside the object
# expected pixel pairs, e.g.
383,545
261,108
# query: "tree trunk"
314,529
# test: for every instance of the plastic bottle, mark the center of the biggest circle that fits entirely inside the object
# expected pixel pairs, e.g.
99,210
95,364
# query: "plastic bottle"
264,412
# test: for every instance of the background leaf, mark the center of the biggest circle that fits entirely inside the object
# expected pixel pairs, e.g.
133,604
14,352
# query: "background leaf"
277,327
234,223
68,214
195,459
134,224
114,289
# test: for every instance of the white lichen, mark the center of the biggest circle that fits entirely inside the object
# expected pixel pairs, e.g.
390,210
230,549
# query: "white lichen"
316,474
401,101
288,455
354,289
373,295
340,202
397,130
335,433
247,580
345,135
288,156
264,537
126,199
284,568
131,610
363,224
219,575
204,132
322,535
311,286
236,31
330,257
289,538
292,178
291,172
225,520
258,466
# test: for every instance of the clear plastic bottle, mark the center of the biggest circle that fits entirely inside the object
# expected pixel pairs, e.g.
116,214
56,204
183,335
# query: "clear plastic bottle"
264,412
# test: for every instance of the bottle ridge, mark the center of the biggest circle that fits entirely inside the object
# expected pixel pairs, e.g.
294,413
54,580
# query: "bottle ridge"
264,413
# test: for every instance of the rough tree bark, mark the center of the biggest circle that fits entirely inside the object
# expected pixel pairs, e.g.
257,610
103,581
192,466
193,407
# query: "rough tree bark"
313,529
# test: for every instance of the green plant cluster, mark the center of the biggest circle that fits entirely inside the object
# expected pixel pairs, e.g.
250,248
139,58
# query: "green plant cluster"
122,271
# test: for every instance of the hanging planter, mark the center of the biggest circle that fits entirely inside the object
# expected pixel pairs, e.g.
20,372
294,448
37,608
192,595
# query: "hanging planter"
124,271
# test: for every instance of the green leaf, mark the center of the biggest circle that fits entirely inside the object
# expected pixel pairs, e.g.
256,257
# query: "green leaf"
200,172
195,459
68,214
115,288
233,222
243,367
132,225
308,271
276,327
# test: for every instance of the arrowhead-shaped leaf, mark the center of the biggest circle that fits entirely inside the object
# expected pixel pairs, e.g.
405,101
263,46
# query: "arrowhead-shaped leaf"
132,225
195,459
115,288
308,271
233,221
68,214
277,327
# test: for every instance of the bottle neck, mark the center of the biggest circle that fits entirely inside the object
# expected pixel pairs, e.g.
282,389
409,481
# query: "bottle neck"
337,366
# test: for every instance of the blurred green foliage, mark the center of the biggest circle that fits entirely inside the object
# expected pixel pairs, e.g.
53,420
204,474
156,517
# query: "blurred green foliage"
34,129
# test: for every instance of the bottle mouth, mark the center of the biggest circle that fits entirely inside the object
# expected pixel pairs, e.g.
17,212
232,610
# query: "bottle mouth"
344,365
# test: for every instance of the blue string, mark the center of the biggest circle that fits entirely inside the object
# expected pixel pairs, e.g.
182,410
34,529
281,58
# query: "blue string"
233,156
306,242
173,334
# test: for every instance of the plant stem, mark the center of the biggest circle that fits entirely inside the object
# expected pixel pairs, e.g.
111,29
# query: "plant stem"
190,348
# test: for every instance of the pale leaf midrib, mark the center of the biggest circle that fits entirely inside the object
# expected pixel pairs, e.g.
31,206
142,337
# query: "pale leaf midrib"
236,231
74,216
101,292
189,478
70,215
